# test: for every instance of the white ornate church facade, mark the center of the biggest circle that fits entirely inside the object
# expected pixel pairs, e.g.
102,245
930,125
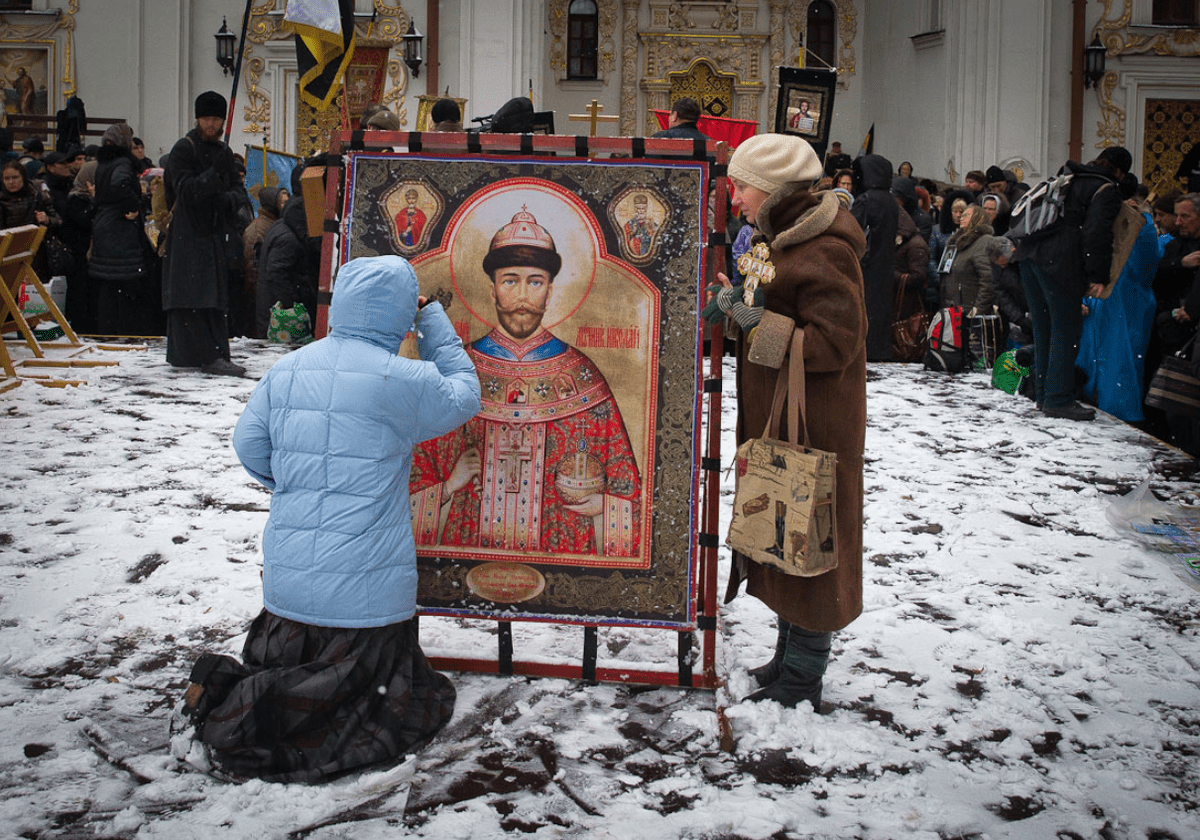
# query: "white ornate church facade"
950,85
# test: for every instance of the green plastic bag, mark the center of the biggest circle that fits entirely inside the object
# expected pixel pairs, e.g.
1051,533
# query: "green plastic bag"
290,326
1007,375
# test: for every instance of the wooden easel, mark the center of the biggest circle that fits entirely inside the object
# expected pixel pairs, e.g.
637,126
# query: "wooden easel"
18,246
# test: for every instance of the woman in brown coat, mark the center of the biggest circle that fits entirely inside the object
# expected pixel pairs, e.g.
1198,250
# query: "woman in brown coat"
815,246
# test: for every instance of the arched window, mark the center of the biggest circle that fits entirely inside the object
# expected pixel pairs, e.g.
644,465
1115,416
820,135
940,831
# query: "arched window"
821,38
582,38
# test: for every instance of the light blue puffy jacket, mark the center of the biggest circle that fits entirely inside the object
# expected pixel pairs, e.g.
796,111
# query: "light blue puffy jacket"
331,429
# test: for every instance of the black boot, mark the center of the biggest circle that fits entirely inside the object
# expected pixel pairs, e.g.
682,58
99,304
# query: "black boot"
802,667
764,675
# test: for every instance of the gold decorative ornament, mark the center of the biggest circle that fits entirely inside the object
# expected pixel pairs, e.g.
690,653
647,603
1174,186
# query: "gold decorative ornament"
755,265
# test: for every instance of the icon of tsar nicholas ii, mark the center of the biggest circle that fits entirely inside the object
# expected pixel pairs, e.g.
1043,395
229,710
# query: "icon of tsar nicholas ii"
546,466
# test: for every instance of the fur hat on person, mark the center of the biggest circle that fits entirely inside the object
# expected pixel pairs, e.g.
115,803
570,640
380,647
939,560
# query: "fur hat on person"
33,145
768,161
118,134
445,110
384,120
211,104
995,175
975,175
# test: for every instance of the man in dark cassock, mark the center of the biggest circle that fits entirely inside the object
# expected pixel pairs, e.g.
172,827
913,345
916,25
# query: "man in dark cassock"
201,183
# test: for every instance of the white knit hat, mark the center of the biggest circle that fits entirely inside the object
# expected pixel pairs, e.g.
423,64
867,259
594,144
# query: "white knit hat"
768,161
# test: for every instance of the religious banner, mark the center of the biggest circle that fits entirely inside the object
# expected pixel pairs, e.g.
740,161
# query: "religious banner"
805,105
362,85
572,495
268,168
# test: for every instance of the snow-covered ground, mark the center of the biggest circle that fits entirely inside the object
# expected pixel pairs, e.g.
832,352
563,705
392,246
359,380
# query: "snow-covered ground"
1019,670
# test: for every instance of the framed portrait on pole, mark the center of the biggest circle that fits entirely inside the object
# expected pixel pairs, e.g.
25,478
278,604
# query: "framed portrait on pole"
572,496
805,105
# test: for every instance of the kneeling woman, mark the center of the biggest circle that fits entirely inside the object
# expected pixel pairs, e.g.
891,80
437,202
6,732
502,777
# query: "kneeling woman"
815,246
333,678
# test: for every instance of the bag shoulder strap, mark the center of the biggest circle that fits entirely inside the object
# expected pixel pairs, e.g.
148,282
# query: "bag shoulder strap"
790,383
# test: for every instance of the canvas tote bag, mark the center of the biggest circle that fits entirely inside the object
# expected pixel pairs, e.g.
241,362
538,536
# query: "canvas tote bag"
783,507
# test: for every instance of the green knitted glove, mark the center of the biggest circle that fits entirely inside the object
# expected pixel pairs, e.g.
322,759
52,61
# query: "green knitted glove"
712,311
731,302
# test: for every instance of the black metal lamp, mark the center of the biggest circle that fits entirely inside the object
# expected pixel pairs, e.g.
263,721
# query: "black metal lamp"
226,42
412,49
1094,55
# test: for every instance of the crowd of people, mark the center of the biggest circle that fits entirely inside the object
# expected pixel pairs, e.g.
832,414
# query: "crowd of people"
1092,334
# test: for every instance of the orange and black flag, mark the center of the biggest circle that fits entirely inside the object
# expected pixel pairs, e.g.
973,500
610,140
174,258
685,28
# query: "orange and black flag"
324,45
868,143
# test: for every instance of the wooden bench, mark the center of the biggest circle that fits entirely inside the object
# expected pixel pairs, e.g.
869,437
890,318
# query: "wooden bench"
43,126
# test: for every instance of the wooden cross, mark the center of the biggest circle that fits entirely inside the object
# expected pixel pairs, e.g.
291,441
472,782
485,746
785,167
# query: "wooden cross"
593,116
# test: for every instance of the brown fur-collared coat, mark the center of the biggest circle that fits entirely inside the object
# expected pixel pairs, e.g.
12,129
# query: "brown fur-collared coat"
815,248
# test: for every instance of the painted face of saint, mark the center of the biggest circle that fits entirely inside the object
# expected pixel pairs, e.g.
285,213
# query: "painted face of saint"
521,294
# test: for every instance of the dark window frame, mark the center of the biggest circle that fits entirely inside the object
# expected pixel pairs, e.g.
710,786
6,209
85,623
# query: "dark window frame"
583,41
1175,13
821,33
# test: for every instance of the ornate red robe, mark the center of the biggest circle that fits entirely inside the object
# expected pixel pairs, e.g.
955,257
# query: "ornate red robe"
547,410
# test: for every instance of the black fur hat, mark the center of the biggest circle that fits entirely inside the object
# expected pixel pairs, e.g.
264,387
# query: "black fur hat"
211,104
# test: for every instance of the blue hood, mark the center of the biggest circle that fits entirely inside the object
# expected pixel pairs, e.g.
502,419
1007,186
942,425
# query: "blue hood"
375,300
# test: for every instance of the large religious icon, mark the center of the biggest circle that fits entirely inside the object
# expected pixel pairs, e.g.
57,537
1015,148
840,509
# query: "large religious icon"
27,78
574,286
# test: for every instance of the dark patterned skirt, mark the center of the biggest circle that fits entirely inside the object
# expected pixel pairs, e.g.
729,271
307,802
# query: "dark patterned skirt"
310,703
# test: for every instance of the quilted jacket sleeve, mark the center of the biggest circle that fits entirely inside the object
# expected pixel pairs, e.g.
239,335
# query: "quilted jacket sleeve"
252,436
451,397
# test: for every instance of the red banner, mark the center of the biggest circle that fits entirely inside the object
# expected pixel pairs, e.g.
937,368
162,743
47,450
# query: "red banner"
732,132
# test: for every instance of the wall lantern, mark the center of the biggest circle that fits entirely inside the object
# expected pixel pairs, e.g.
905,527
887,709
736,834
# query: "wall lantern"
1094,55
412,49
225,47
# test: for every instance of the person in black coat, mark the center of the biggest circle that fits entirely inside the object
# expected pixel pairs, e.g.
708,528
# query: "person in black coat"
681,122
878,215
1059,267
75,233
1010,293
289,263
119,263
905,190
200,183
